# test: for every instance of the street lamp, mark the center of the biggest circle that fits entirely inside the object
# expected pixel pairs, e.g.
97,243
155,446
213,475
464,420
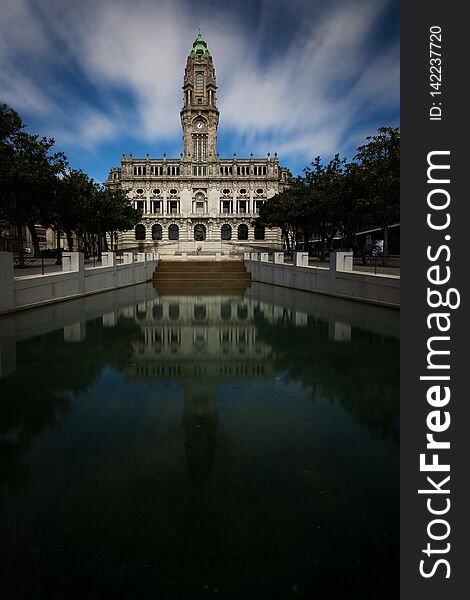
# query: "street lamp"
99,236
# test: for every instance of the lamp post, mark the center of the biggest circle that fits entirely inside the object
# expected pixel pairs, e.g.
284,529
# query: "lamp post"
99,237
58,229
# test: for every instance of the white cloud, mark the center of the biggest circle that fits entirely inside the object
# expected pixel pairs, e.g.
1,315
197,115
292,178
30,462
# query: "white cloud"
300,95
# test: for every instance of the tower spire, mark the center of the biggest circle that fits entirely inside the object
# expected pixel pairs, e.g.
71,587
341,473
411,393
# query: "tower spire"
199,115
199,46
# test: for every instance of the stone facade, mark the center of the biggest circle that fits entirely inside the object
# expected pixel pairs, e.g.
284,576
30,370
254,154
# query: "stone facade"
199,202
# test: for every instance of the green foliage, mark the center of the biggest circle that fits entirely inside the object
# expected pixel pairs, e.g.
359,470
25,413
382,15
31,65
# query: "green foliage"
339,197
117,211
28,169
37,186
379,170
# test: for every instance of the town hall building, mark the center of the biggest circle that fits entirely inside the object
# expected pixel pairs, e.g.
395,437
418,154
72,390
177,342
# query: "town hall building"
199,202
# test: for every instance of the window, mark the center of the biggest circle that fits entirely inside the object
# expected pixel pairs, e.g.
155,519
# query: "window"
242,312
243,232
226,232
259,232
225,311
258,205
200,147
242,206
140,205
259,191
200,312
243,191
156,192
157,207
140,232
173,207
199,82
157,312
199,340
226,192
173,232
199,204
226,208
157,232
174,309
173,192
199,233
140,191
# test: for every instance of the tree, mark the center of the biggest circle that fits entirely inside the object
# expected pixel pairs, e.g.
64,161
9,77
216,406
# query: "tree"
28,169
325,185
379,169
72,210
115,212
287,210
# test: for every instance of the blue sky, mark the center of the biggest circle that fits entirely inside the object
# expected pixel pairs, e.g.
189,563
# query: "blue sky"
300,77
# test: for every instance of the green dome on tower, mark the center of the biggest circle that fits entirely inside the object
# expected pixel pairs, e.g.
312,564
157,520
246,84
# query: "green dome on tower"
199,46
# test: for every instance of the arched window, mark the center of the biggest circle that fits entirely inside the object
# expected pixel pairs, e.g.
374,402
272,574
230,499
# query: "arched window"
242,312
199,233
199,82
173,232
174,311
259,232
199,204
157,312
157,232
243,232
226,311
200,312
226,232
140,232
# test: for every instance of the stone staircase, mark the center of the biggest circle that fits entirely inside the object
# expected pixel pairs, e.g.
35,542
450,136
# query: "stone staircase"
201,276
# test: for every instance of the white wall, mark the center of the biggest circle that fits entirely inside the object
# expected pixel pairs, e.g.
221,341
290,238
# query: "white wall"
74,280
378,289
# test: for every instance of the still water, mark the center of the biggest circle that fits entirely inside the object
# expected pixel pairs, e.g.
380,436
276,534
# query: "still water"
234,446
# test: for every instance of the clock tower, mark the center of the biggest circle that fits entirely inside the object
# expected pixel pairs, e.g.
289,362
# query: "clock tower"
199,115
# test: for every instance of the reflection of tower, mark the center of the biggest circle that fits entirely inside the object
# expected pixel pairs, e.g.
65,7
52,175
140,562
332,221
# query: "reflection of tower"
201,341
200,423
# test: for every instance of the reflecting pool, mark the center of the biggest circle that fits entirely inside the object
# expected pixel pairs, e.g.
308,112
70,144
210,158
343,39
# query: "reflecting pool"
233,445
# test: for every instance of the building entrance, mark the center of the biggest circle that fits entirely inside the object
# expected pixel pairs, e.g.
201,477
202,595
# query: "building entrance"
199,232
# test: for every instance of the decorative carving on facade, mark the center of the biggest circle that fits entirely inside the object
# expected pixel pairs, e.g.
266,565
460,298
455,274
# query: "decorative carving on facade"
200,170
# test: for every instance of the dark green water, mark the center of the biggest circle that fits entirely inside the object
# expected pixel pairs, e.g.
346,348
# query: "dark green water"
233,447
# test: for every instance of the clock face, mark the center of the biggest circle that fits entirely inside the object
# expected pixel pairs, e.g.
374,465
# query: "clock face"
199,124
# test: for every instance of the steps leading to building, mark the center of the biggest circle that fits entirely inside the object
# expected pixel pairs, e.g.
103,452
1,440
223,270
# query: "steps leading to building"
202,271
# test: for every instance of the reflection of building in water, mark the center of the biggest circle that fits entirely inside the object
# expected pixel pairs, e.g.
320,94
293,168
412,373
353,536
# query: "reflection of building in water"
205,336
199,341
